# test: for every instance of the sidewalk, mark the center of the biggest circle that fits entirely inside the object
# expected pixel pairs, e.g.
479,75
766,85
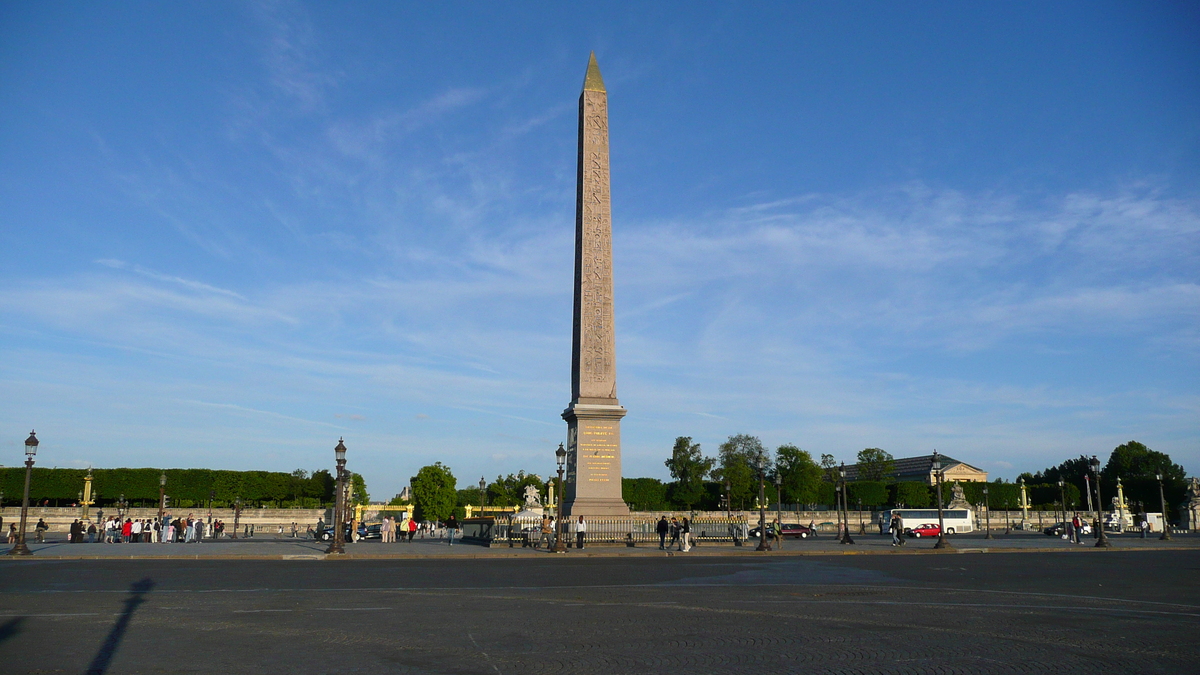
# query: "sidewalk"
867,544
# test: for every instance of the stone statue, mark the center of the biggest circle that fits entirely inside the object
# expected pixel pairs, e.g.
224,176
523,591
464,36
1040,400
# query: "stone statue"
532,498
1194,490
957,499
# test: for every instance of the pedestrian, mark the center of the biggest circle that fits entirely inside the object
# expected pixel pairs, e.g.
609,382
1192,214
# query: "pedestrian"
685,532
777,533
662,527
580,532
674,532
894,527
1070,535
91,532
1145,526
127,531
882,524
39,531
12,533
812,530
189,532
279,534
547,531
354,530
293,529
451,528
199,531
412,529
73,532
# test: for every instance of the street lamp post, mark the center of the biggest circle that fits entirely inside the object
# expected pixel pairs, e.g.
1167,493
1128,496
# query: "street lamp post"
1087,487
728,500
987,513
1008,515
862,524
1062,492
162,493
1024,504
1166,535
211,495
31,445
761,464
846,539
237,516
338,545
482,494
1102,540
937,475
560,546
779,500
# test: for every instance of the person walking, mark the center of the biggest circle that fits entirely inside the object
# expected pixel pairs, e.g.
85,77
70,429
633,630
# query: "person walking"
662,528
12,533
412,529
674,533
127,531
451,528
198,528
894,528
547,531
580,532
91,532
685,532
39,531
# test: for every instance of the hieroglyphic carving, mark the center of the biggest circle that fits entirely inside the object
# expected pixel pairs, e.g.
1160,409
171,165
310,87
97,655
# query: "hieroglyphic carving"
596,362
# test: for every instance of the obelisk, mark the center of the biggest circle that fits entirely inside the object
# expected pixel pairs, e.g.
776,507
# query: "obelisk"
593,478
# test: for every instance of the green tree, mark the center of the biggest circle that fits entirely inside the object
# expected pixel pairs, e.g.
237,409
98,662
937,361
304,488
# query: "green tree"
912,494
800,475
510,490
738,467
358,490
688,467
875,464
871,492
433,491
644,494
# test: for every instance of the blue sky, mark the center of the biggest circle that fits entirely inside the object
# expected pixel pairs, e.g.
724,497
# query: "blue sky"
236,232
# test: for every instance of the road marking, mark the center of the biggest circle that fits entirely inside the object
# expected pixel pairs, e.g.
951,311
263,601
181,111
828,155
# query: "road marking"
350,609
256,611
31,616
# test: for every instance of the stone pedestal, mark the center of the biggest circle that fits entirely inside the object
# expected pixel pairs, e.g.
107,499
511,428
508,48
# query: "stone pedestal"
593,475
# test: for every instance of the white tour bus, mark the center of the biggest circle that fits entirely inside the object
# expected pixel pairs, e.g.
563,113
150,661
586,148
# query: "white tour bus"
956,520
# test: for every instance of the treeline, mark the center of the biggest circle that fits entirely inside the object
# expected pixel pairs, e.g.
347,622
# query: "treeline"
703,483
186,487
652,494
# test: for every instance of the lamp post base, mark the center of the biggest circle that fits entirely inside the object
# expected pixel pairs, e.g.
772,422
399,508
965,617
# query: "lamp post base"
19,549
1103,542
988,535
942,543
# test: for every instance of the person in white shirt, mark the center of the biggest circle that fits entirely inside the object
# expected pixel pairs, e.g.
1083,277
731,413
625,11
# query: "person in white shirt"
580,532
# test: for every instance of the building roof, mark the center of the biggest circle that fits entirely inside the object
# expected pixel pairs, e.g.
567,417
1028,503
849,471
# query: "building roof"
913,467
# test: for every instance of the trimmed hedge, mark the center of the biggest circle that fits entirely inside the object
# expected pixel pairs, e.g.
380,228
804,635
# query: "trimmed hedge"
184,486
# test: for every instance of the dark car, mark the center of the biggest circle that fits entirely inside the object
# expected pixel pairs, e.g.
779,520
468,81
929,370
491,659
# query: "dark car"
364,532
790,530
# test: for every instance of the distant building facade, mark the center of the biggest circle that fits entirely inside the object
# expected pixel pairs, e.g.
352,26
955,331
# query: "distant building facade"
921,469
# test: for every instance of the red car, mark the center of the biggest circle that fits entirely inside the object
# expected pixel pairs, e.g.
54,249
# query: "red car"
926,530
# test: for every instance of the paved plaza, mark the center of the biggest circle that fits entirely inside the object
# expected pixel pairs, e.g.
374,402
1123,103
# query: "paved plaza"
1124,611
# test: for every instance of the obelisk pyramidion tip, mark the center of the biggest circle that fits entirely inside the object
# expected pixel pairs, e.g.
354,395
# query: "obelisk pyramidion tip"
592,81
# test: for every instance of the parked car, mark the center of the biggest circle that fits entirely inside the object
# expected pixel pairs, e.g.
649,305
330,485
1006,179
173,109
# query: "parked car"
364,532
790,530
926,530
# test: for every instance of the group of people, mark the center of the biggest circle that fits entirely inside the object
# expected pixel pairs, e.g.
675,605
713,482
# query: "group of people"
406,527
169,530
548,528
680,530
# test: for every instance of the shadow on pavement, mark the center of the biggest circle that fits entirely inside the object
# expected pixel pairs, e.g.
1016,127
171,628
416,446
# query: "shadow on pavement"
104,657
10,628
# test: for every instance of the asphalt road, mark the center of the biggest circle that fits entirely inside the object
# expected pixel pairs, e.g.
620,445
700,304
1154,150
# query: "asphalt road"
1095,612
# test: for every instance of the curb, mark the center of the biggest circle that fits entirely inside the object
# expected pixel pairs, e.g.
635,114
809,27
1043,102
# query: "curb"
602,554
